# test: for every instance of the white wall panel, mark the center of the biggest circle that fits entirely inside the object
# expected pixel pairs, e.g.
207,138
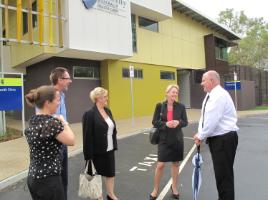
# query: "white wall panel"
99,30
154,9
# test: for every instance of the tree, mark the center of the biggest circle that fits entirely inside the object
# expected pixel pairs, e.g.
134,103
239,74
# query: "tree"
252,49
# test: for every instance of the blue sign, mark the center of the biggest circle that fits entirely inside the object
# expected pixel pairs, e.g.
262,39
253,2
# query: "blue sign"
10,94
232,85
89,3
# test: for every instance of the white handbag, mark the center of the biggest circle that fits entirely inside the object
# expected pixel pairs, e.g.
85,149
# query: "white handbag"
90,186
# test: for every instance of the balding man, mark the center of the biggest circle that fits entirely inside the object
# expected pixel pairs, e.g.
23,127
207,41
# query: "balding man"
218,127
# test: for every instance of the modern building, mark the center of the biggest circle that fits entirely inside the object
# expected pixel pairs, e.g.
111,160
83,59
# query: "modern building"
164,41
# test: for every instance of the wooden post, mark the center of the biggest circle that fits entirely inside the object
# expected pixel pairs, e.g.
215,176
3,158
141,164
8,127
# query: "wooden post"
30,21
60,24
50,10
19,24
40,9
6,19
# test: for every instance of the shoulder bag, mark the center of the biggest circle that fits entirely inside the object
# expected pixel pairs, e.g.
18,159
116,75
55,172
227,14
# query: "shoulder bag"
154,134
90,186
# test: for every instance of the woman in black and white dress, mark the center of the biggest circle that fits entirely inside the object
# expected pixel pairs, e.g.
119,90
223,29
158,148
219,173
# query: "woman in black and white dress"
99,139
45,135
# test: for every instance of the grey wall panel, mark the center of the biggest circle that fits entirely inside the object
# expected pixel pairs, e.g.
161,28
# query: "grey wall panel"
197,93
77,97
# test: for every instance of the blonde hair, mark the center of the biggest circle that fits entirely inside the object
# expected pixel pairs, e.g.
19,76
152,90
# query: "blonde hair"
169,87
96,93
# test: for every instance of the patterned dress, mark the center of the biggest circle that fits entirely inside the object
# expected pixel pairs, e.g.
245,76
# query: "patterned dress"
44,148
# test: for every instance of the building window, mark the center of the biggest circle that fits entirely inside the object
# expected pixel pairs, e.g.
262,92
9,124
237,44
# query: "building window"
221,53
167,75
134,33
148,24
25,18
198,74
4,36
91,72
138,73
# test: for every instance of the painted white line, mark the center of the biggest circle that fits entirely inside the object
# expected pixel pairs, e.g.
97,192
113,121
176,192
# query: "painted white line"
140,169
258,117
167,187
189,138
148,164
133,168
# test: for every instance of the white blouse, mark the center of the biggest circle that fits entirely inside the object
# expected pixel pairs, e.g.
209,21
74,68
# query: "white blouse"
110,123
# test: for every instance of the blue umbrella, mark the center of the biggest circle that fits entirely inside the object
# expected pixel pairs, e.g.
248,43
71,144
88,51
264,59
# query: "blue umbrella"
196,177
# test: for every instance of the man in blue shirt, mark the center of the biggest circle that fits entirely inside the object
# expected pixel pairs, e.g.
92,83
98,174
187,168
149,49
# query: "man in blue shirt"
60,79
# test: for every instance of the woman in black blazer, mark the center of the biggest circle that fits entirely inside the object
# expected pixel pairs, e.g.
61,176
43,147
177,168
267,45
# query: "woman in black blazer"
99,139
170,117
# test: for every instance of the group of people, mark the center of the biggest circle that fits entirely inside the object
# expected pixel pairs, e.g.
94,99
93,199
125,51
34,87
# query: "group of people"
49,134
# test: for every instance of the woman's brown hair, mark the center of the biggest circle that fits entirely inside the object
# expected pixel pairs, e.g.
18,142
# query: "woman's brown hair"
37,97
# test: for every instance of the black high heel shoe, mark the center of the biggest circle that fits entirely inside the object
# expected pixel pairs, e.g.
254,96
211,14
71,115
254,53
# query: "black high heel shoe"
174,196
152,197
109,198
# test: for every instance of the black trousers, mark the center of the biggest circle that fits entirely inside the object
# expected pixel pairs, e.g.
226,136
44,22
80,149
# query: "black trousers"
223,150
64,172
49,188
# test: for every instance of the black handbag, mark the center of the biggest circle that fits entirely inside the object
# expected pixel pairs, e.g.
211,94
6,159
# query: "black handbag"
154,136
154,133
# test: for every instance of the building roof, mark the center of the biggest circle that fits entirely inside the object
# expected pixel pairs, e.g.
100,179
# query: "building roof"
181,7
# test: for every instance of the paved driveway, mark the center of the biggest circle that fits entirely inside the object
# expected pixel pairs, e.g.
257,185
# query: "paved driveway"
136,160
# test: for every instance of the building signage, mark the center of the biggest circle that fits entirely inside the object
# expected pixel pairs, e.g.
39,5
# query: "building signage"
10,94
232,85
88,3
131,71
115,7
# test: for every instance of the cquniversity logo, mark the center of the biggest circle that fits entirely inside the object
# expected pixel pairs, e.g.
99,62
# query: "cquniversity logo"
88,3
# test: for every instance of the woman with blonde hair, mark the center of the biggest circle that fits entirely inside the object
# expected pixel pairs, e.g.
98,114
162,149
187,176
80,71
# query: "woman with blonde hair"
169,117
99,139
45,135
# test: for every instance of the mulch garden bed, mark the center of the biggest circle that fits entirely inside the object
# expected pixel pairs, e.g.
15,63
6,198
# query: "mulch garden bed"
10,134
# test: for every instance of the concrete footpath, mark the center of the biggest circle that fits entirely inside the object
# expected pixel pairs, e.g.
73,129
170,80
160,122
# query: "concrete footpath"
14,159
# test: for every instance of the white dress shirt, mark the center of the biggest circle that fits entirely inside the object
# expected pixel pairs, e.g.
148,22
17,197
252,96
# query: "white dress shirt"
110,133
220,114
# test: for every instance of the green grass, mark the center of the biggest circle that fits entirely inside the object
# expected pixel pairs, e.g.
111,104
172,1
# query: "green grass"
261,108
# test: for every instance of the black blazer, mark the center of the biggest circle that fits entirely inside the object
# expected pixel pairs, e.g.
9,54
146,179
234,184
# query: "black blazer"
95,133
179,113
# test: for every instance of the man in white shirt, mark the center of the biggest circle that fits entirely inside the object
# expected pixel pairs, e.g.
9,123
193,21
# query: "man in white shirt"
218,127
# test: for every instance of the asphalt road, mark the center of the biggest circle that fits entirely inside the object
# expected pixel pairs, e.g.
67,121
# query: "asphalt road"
136,158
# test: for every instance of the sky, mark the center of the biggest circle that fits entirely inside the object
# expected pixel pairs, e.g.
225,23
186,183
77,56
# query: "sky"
212,8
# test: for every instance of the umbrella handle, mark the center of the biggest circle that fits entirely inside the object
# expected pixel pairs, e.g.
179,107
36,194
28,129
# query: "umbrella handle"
198,148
